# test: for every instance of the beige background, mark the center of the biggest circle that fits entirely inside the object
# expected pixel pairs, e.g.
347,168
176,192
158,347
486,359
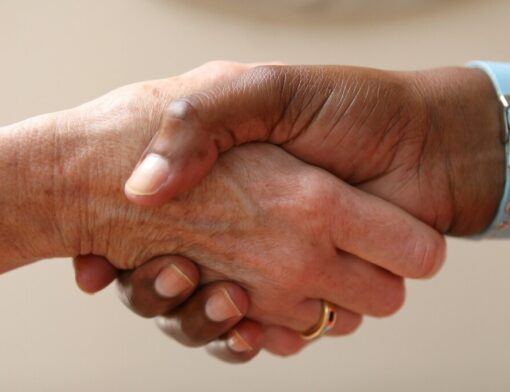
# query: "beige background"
453,334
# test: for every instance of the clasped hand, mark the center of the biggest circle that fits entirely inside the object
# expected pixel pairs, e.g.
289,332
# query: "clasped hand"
347,190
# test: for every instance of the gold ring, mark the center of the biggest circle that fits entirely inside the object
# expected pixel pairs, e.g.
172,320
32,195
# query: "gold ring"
325,324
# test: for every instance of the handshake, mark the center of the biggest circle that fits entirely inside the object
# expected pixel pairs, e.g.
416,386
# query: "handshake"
270,204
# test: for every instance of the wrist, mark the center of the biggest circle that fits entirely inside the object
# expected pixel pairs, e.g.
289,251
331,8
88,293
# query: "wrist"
34,224
464,123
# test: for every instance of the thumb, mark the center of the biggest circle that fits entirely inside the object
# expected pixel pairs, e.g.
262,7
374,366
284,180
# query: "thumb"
195,129
93,273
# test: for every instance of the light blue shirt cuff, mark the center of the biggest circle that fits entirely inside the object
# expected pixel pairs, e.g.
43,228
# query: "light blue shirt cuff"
499,73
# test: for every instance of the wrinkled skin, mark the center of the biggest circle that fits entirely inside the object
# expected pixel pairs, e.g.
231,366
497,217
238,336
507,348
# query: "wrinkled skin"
272,224
386,133
289,233
425,141
410,138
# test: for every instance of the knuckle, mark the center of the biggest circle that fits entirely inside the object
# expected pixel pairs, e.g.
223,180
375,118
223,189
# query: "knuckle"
129,298
429,256
318,185
184,109
238,358
136,298
287,354
173,327
189,337
286,351
267,74
145,313
393,299
139,307
219,350
351,326
316,194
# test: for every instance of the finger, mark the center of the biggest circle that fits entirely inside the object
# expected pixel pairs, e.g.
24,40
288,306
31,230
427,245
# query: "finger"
282,341
195,129
305,316
383,234
360,286
241,344
93,273
208,314
158,286
346,321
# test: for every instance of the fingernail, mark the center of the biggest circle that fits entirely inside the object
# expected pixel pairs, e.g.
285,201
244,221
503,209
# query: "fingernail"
171,282
149,176
220,307
237,343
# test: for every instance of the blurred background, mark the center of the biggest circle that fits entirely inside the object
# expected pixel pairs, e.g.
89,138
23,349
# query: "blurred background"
452,335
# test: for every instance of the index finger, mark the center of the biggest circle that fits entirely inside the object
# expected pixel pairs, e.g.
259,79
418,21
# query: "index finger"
378,231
